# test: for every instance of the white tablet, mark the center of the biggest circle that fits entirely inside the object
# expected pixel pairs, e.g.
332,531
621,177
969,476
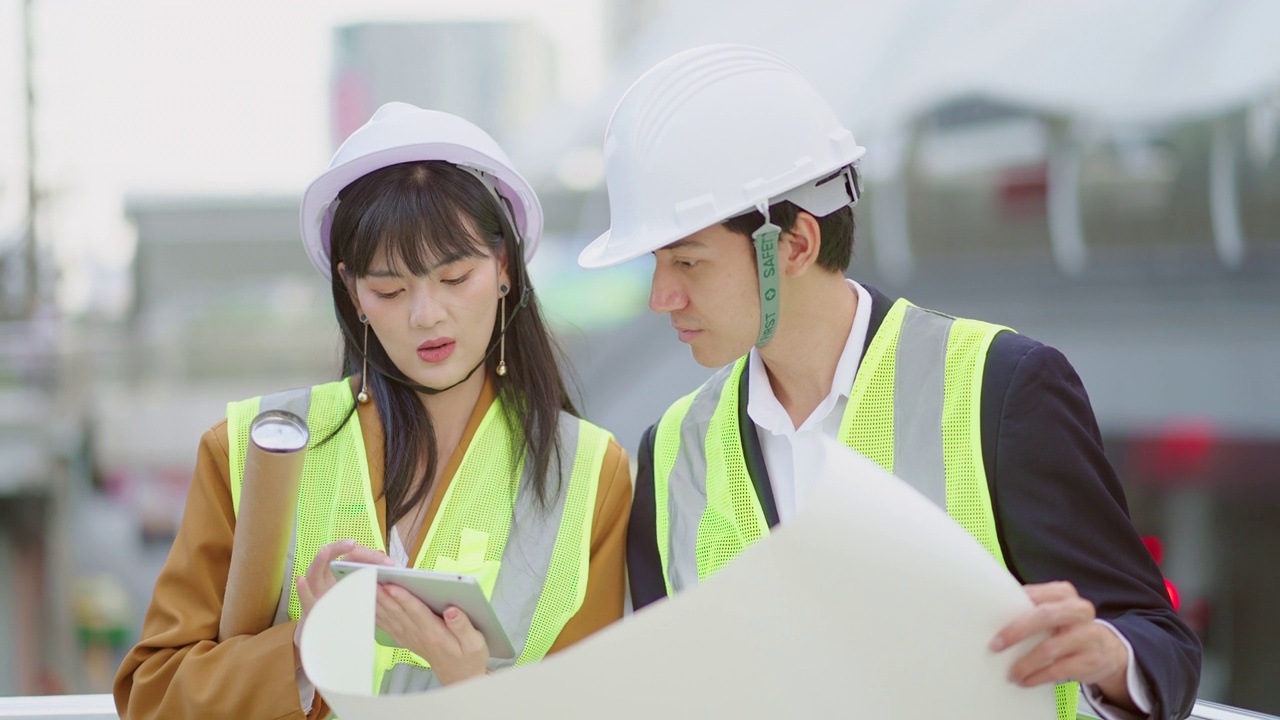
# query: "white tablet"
438,591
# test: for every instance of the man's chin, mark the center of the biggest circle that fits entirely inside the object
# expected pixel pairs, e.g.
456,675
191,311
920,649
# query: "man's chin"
713,358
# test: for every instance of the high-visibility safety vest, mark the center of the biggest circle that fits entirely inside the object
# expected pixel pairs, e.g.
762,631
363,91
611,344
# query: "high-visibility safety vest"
913,410
531,560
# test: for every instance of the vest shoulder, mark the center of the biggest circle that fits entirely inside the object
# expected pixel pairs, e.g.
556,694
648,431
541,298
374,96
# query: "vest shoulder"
715,383
723,373
720,377
570,417
1008,344
614,448
334,389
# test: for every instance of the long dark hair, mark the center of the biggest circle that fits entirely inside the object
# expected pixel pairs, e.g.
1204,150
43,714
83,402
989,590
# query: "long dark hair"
413,212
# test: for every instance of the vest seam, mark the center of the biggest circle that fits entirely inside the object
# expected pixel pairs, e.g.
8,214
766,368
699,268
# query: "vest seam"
991,471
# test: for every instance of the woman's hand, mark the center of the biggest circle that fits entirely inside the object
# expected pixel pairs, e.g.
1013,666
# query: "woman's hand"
319,579
455,649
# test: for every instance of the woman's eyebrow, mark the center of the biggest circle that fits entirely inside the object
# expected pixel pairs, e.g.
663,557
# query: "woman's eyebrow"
451,259
445,261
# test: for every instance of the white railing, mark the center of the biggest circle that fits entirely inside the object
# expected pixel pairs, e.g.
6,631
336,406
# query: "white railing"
70,707
102,707
1205,710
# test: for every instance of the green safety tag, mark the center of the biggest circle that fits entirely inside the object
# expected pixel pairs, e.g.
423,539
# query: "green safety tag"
766,241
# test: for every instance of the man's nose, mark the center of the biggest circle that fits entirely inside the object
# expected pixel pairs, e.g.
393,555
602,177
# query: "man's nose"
665,294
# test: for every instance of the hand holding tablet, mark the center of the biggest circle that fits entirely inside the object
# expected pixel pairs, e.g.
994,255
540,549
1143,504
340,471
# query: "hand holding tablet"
438,591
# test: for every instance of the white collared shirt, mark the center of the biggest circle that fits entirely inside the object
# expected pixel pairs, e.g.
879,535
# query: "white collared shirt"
791,453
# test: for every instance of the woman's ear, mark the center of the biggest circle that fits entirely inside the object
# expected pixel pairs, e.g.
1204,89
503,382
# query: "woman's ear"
504,275
350,283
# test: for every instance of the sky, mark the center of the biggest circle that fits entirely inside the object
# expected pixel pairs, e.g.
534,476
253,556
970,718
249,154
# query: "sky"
153,97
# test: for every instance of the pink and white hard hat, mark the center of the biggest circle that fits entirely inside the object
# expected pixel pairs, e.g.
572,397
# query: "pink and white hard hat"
397,133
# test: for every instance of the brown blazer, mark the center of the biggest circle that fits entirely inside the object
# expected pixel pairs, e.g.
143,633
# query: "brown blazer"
180,670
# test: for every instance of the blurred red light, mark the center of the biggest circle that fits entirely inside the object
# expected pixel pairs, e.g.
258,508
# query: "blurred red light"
1155,547
1173,594
1180,452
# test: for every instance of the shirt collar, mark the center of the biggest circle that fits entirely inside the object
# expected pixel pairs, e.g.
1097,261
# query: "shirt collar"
763,406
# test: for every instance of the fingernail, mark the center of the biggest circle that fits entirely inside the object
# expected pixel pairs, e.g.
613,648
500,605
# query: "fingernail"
451,614
997,644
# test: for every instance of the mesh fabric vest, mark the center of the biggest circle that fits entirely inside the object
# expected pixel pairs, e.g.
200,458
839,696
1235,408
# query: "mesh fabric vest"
486,510
918,387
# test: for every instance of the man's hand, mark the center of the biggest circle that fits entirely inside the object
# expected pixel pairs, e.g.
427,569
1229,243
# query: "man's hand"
1077,648
451,644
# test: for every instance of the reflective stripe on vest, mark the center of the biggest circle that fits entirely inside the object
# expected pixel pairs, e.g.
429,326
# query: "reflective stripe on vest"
534,590
917,401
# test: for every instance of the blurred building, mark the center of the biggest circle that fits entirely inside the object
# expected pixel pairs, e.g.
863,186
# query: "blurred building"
43,459
497,74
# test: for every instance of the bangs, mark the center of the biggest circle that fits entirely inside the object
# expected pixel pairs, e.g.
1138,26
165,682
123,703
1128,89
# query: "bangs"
421,215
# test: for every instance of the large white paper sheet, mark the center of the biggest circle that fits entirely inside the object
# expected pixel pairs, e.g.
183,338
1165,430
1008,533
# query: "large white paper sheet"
871,603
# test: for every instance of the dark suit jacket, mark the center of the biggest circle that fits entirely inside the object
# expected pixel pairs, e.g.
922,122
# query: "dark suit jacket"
1059,508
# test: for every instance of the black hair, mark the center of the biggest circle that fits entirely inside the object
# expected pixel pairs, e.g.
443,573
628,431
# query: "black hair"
414,213
837,230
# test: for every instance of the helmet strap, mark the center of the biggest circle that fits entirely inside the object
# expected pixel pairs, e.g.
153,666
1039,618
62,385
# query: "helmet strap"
765,239
502,335
504,205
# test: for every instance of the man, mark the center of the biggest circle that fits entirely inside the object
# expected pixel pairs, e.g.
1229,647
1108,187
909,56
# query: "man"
726,165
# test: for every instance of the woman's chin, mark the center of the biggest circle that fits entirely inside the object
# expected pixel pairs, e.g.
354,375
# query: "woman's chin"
444,375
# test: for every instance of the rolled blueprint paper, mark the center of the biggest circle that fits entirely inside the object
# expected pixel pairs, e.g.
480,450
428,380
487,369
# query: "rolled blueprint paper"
264,527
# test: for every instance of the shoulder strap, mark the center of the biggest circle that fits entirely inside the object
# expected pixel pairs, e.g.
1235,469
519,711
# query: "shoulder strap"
753,453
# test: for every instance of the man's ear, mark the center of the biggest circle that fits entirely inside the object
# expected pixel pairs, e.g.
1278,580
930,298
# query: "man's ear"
350,283
801,245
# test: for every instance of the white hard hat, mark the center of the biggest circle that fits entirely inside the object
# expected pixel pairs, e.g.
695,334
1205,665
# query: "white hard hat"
398,133
712,132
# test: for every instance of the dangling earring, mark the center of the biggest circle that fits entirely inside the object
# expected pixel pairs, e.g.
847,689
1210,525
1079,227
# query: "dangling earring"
502,336
363,396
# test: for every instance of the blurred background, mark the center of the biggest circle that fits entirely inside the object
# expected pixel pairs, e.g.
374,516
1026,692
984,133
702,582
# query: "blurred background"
1102,176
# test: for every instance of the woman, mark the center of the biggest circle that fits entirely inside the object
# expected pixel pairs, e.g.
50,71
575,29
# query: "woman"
451,445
